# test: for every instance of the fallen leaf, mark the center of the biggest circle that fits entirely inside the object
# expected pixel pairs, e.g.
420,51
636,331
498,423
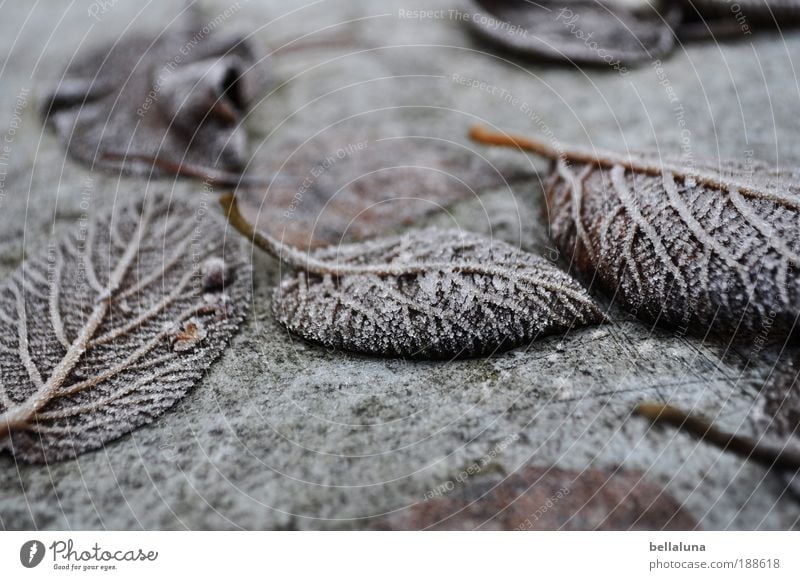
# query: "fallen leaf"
428,294
783,12
112,326
699,246
721,19
776,446
548,498
354,184
177,98
581,31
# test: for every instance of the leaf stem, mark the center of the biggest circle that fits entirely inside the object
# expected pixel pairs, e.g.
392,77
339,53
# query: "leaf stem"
608,160
483,135
539,147
269,244
770,456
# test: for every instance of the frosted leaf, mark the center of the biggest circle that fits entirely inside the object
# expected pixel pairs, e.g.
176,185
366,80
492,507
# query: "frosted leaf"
721,254
426,294
404,306
112,326
582,31
178,96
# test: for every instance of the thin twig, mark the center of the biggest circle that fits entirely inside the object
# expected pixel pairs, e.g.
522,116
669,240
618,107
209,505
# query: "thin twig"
770,456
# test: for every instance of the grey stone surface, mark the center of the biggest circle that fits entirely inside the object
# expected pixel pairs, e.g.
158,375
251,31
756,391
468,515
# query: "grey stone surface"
284,435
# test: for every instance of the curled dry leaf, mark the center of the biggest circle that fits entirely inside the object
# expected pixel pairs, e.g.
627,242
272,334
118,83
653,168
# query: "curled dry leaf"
112,326
548,498
701,247
353,184
582,31
428,294
177,97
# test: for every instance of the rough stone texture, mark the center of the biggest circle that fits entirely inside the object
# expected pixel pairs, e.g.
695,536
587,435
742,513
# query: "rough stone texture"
284,435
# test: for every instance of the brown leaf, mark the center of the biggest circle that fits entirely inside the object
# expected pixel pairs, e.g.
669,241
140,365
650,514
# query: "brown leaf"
701,246
548,498
112,326
428,294
177,98
354,184
581,31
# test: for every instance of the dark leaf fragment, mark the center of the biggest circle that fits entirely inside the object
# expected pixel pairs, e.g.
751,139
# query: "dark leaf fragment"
428,294
718,19
539,498
582,31
749,11
112,327
353,184
177,98
701,246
